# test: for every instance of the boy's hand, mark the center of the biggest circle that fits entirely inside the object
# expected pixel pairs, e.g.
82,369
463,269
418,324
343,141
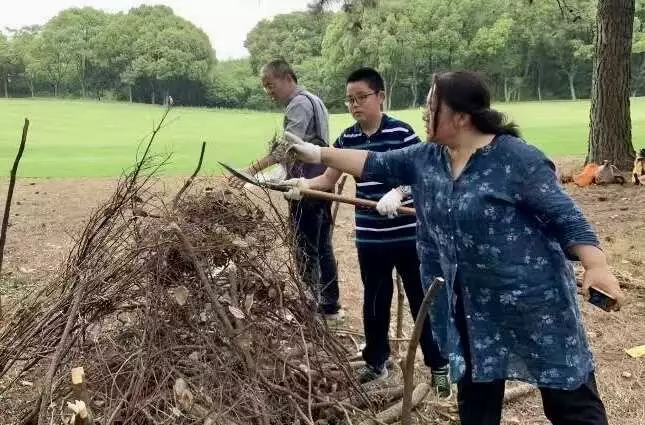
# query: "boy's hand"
296,186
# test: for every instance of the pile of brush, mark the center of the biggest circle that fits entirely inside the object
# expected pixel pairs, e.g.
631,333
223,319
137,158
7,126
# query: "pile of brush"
178,312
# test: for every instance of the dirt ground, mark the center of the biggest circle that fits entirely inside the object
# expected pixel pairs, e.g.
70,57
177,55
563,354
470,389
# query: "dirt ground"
48,212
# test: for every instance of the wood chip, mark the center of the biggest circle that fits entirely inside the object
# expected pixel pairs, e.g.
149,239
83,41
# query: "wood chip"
236,312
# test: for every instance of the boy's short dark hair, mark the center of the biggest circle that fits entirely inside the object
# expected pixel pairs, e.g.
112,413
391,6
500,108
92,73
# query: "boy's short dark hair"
369,76
281,68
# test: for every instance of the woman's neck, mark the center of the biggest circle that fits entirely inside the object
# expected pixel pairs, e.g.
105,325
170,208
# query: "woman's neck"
463,148
468,143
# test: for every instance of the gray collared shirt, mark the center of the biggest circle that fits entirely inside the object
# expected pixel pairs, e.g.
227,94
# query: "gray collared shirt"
306,116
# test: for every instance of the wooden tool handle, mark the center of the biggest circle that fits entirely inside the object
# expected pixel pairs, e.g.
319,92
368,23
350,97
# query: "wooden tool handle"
317,194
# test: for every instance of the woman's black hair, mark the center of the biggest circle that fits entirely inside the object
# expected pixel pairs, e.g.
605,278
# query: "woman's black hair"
466,92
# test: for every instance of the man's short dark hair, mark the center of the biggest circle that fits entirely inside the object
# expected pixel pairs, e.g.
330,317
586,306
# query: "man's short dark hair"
369,76
280,68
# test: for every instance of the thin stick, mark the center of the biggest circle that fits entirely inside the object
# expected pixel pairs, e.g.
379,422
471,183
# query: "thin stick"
408,367
400,299
309,383
301,413
396,411
347,418
7,207
339,191
192,177
63,346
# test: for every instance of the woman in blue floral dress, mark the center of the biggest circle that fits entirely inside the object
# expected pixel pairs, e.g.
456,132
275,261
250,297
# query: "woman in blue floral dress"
495,223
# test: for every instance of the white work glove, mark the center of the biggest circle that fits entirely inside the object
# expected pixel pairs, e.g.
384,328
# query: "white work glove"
296,186
303,151
389,203
275,174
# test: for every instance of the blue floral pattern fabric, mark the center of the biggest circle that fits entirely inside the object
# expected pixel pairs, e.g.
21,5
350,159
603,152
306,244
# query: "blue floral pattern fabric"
502,231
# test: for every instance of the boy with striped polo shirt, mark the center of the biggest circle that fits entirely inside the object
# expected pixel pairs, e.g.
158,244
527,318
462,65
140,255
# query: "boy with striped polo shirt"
383,242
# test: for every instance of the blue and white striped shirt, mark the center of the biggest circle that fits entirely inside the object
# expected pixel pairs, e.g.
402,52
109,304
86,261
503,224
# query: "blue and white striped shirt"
371,227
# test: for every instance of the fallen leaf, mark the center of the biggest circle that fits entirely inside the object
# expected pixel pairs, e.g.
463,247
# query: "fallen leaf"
183,394
287,315
26,383
236,312
627,375
248,302
180,294
176,412
637,352
215,271
26,271
239,243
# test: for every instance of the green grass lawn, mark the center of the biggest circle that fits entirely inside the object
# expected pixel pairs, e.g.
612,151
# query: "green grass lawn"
92,139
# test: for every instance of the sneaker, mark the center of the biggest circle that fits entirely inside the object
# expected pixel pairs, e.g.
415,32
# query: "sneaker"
370,373
440,381
334,320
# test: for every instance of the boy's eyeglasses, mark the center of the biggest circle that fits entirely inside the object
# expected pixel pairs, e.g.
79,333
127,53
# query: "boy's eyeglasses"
358,99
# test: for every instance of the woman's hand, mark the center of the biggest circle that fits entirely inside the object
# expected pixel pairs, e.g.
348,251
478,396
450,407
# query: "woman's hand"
600,277
597,273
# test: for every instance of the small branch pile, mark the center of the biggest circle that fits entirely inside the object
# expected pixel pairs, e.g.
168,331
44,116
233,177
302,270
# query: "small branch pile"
182,314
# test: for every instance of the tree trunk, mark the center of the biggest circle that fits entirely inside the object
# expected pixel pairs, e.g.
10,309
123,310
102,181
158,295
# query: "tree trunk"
153,97
83,89
507,94
539,83
391,91
55,89
6,87
572,85
31,88
130,93
414,88
610,132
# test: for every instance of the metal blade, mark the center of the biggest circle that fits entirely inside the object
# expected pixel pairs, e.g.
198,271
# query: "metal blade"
249,179
239,174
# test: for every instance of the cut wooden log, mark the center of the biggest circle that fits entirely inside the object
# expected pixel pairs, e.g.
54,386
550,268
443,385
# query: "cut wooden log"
518,392
80,406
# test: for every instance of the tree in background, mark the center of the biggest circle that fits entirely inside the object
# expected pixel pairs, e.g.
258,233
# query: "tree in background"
506,52
296,37
76,32
5,63
610,133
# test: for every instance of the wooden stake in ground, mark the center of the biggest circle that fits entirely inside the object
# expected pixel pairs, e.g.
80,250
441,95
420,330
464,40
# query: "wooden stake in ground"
400,299
7,207
339,191
408,366
188,182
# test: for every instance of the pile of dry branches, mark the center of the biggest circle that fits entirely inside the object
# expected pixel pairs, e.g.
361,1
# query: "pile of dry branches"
179,312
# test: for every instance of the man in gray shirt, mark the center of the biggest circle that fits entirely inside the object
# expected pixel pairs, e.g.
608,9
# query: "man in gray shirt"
306,116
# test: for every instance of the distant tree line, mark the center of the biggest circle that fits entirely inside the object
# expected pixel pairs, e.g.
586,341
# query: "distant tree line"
527,52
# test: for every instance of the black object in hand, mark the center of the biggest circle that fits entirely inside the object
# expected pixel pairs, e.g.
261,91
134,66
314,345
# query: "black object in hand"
601,299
